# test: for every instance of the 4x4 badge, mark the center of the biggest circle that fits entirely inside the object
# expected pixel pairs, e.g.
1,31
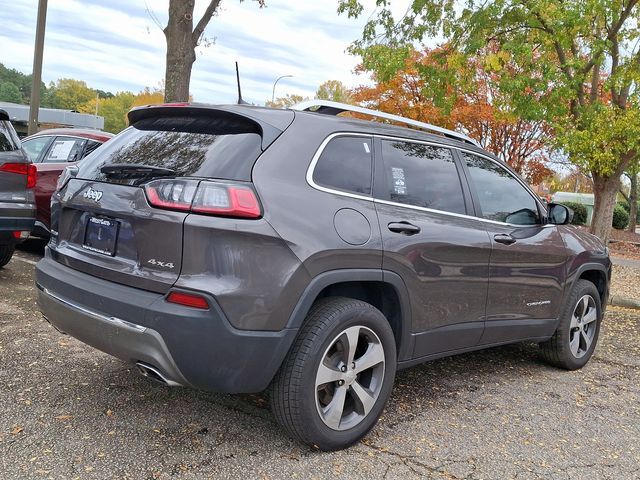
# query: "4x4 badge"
92,194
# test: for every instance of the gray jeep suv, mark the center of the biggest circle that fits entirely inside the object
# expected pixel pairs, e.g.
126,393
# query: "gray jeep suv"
17,183
237,248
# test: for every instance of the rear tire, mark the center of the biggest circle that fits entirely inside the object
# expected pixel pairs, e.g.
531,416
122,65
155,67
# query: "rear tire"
575,339
336,379
6,252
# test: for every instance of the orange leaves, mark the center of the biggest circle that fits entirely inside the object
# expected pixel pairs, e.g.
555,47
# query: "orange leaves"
445,88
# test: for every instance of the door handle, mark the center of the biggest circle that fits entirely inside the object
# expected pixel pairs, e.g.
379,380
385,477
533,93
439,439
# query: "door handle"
504,238
404,228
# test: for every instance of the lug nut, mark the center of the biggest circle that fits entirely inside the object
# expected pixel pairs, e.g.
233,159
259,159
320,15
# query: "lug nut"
353,365
340,382
343,368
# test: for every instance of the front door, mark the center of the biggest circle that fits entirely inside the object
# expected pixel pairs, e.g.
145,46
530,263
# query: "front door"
528,258
440,251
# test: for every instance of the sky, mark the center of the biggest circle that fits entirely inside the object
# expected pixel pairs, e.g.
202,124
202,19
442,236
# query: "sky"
118,45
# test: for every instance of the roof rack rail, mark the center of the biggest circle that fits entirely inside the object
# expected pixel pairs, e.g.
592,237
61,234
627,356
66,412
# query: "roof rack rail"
328,107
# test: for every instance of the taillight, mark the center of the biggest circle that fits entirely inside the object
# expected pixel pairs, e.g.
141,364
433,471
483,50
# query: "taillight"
227,199
188,300
67,174
20,234
171,194
27,169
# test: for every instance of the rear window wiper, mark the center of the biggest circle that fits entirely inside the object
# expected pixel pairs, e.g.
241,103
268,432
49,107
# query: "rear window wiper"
135,170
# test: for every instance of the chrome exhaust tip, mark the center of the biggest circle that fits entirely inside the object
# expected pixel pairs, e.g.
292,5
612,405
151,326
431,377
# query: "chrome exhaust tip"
153,373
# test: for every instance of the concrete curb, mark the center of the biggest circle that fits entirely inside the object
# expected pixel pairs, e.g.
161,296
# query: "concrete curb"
625,302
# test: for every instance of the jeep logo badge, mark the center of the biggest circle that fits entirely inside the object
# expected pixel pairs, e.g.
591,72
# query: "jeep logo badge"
92,194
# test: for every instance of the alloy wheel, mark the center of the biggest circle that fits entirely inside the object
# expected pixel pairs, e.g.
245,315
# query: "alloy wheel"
583,326
349,378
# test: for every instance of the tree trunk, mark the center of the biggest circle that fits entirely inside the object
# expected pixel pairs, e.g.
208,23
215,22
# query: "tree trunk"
633,203
605,190
180,51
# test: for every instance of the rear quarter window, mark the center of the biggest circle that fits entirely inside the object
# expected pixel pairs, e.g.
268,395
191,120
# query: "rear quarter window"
345,165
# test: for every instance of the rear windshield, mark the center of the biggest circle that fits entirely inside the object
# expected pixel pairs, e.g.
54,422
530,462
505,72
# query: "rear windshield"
9,140
229,154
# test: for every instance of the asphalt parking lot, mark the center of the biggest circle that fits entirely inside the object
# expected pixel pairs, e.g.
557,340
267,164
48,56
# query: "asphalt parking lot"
68,411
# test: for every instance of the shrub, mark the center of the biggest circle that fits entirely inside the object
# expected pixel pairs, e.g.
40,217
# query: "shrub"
625,205
579,212
620,217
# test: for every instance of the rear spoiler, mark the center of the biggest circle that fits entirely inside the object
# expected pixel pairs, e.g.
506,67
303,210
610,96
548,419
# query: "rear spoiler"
214,119
4,115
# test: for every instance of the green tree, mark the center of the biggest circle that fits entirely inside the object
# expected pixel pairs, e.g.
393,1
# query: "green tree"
70,94
335,91
287,101
586,51
113,109
20,80
10,93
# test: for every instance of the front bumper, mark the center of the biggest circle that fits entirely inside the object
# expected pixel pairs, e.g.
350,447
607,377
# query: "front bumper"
190,347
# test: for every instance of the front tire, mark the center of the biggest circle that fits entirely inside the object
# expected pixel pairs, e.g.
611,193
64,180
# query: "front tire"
575,339
6,252
335,381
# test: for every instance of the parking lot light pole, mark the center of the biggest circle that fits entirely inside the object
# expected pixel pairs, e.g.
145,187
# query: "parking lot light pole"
273,93
34,103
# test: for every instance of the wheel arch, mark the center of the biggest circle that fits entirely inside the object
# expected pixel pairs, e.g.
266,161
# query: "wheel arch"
595,273
384,290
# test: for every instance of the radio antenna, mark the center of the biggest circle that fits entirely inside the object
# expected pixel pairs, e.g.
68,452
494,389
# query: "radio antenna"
240,100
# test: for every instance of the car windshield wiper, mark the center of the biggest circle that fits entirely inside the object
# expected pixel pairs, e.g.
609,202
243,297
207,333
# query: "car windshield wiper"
134,170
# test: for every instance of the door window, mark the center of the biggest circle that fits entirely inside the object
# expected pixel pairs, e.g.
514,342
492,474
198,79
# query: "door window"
422,175
502,197
65,149
345,164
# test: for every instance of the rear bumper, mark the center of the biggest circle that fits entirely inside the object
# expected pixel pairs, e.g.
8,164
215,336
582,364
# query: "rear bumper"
14,217
197,348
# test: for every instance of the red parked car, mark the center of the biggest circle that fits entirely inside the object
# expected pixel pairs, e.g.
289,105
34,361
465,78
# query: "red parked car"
51,151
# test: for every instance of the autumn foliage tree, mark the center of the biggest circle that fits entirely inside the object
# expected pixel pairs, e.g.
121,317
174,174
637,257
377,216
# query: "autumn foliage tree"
563,50
443,87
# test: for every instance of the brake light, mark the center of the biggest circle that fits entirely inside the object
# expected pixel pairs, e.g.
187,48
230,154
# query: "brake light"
27,169
228,200
20,234
171,194
205,197
188,300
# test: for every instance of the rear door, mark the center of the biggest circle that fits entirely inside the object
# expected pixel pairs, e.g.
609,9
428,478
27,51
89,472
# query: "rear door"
528,257
103,222
433,242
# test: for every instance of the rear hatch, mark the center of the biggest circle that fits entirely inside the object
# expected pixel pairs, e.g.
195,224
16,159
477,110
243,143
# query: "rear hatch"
121,216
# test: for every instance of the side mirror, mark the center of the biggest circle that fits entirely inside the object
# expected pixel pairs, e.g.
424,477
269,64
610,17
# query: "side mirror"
559,214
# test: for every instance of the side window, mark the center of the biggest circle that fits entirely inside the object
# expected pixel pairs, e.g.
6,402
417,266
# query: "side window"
91,146
345,164
502,197
65,149
8,139
422,175
35,146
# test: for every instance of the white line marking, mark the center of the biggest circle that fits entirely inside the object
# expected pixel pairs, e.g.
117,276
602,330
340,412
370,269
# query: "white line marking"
30,262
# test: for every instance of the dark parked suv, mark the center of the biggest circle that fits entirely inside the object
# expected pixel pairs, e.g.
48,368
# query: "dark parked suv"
237,248
17,200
